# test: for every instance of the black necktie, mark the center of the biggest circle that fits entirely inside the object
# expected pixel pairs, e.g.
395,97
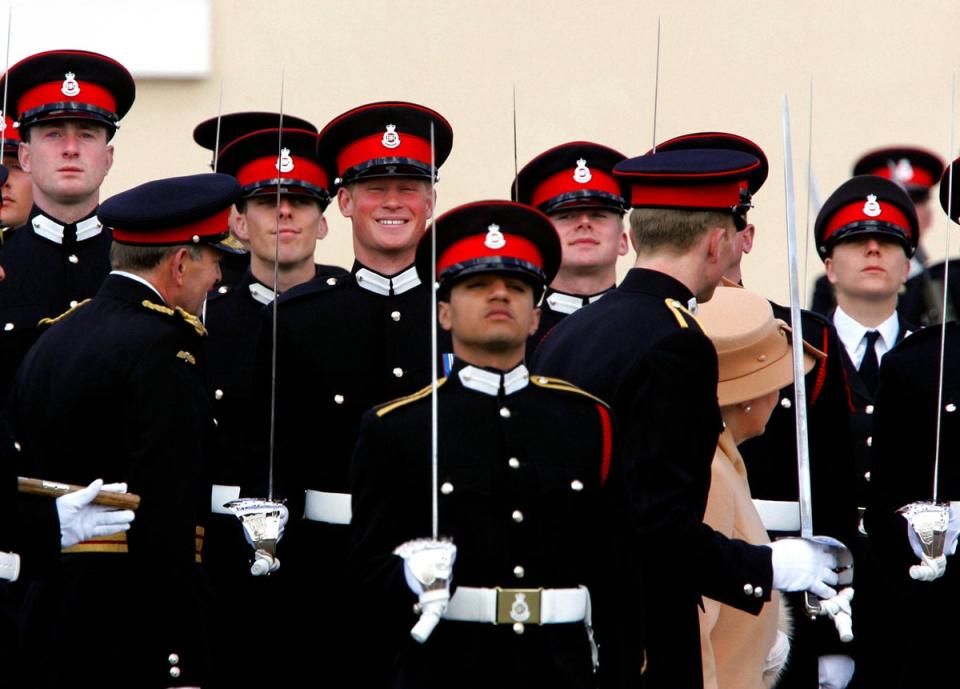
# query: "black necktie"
870,365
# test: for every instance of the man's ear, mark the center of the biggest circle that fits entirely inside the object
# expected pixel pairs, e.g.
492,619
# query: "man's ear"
831,273
747,235
535,323
345,202
715,239
443,315
23,153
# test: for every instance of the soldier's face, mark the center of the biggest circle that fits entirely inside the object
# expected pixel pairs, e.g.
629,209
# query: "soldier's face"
490,312
301,225
67,160
198,277
867,267
589,237
17,194
389,214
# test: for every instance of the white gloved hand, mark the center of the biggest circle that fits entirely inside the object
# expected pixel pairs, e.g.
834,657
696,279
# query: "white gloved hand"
80,520
838,609
836,671
428,571
803,565
931,568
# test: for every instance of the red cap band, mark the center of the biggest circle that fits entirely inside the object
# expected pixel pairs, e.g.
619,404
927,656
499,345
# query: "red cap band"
720,195
212,226
50,93
920,176
473,247
563,183
262,169
889,213
371,147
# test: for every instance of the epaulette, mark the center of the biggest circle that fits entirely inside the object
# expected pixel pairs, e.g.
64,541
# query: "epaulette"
190,319
681,313
559,384
51,321
388,407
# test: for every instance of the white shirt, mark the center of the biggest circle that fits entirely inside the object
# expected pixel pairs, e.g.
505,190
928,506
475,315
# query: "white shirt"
853,335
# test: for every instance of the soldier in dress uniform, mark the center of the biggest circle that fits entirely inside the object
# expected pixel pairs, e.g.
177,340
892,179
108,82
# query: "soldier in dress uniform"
917,170
771,457
345,344
866,233
574,185
214,135
68,104
18,189
528,483
115,388
641,348
919,615
233,317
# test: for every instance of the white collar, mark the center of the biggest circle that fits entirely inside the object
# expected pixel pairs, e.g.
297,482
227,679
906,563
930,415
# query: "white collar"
693,306
261,293
852,334
489,382
380,284
561,302
48,229
137,278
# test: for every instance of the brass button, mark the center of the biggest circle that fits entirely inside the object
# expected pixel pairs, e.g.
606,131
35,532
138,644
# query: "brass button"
576,484
518,572
748,589
218,394
951,407
173,659
331,281
517,516
513,463
338,399
73,303
398,372
758,592
786,403
518,627
8,327
869,409
73,259
395,315
175,672
504,412
446,488
870,441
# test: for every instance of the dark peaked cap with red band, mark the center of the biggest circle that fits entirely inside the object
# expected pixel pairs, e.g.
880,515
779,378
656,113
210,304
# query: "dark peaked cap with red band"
917,169
74,84
571,175
724,141
236,124
11,136
867,205
385,139
690,179
492,237
179,210
253,159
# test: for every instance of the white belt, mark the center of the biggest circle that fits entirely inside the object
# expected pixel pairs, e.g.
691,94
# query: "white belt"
220,496
9,566
779,515
509,606
331,508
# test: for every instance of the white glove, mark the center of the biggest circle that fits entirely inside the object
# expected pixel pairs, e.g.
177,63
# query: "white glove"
838,609
428,571
931,568
265,563
80,520
836,671
803,565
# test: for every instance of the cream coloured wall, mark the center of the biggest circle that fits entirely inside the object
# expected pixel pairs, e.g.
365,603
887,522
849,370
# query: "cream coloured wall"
881,72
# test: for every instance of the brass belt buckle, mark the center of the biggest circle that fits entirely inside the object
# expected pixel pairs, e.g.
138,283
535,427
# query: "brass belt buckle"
518,605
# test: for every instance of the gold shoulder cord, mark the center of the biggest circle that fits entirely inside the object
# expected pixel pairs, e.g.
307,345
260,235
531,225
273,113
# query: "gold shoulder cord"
679,310
190,319
57,319
559,384
402,401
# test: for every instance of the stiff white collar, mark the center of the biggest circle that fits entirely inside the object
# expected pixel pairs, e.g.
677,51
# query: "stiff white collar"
261,293
561,302
853,335
382,285
48,229
490,382
137,278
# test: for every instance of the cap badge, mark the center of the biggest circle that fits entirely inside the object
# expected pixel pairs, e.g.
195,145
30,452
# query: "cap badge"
284,162
390,137
494,238
903,172
70,87
582,173
519,609
871,208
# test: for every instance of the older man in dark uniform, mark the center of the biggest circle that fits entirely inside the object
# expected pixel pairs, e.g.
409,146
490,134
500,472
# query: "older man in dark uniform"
121,379
574,185
344,345
641,348
527,482
68,104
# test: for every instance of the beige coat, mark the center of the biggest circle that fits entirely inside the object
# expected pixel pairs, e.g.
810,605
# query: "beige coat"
735,645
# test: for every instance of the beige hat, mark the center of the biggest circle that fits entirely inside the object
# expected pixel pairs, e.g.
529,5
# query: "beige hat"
753,347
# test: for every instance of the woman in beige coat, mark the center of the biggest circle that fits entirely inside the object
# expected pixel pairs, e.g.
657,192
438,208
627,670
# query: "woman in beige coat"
740,650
